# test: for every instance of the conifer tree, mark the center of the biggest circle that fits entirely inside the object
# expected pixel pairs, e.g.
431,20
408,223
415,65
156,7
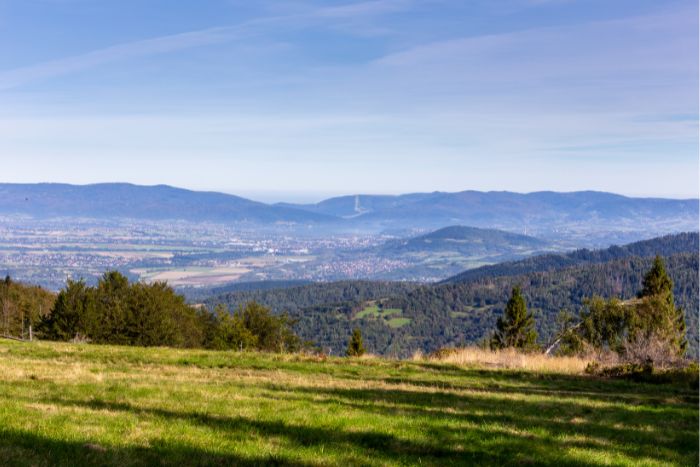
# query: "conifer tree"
657,314
355,347
517,326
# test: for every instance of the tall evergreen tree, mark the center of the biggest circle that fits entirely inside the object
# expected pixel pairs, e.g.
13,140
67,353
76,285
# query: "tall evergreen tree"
656,281
657,314
517,326
355,347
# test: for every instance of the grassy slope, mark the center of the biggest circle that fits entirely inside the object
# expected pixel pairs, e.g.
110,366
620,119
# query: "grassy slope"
63,404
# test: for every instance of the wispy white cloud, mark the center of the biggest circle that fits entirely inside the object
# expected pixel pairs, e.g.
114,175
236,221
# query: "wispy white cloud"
158,45
363,9
191,39
573,43
634,64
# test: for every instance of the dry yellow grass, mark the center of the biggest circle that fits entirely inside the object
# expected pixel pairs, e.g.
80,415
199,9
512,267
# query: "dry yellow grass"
510,359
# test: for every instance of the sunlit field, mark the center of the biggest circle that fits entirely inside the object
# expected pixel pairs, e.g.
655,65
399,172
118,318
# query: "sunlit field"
72,404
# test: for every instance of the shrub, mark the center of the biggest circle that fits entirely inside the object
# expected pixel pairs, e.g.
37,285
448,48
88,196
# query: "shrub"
355,346
253,326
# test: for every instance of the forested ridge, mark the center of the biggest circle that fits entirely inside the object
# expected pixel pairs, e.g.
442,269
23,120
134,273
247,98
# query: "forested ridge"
450,314
664,246
295,299
465,312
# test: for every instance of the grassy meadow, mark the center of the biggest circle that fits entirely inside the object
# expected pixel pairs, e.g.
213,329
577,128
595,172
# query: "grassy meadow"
391,316
73,404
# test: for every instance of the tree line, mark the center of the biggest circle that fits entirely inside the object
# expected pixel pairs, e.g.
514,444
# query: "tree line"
116,311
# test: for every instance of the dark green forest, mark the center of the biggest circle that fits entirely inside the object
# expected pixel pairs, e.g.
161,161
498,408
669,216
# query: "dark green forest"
667,245
451,314
466,312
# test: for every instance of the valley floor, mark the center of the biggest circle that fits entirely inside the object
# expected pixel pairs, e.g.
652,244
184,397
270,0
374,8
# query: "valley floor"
68,404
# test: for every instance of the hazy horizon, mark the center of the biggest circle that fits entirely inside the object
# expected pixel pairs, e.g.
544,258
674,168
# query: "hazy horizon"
309,197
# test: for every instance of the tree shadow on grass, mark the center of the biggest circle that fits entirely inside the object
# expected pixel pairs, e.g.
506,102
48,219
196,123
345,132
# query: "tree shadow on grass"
450,437
20,448
370,443
616,428
551,386
382,448
451,423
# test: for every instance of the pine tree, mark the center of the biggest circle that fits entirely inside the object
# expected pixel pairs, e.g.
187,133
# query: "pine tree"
355,346
517,326
656,281
657,313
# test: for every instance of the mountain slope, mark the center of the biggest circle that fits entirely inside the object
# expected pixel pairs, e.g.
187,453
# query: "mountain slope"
123,200
399,318
466,312
667,245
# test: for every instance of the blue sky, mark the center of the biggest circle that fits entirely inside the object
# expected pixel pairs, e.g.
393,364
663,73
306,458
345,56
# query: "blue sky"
300,100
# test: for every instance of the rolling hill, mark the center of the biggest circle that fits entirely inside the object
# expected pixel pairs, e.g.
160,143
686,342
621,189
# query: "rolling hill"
465,241
436,255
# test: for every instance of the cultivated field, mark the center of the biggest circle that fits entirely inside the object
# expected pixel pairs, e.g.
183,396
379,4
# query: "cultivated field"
69,404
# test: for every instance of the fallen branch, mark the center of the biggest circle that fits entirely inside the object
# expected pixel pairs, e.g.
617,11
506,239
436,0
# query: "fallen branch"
553,345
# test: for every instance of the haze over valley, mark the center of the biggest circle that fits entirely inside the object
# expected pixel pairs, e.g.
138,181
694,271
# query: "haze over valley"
51,232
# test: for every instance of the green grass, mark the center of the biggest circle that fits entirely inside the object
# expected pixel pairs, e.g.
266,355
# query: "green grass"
398,322
375,312
368,311
68,404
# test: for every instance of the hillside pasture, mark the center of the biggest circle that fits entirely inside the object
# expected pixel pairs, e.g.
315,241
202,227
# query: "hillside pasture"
80,404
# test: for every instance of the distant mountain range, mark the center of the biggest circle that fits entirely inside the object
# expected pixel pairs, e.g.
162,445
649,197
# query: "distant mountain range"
540,213
498,207
123,200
